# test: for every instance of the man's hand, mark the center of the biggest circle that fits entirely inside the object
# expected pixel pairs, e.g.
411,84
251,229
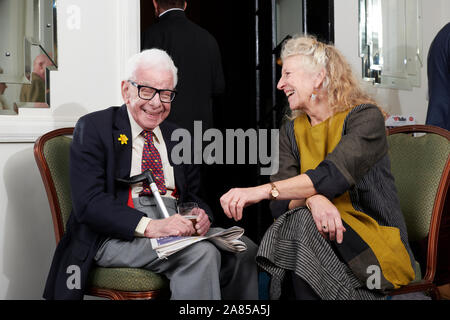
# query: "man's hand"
203,224
327,217
175,225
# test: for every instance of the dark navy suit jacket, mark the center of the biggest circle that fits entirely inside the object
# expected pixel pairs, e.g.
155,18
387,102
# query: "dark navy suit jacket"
438,70
196,54
99,203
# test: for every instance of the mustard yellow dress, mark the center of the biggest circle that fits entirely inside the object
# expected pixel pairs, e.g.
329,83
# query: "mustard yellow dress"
346,158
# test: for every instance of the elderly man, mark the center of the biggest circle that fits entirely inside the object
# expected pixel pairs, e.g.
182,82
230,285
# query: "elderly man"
35,92
111,224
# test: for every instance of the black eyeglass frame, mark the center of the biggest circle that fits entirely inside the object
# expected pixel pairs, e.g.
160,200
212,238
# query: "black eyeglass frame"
157,91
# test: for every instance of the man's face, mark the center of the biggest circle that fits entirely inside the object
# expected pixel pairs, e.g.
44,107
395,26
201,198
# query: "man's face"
148,113
40,65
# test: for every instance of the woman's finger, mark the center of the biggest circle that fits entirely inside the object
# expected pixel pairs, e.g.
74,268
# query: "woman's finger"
232,208
340,229
324,228
331,230
239,208
224,202
318,225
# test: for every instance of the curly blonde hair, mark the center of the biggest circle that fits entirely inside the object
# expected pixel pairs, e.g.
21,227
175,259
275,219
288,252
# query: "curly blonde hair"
343,89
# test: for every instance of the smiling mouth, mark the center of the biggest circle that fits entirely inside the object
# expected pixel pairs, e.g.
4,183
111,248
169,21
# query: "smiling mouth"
150,113
289,93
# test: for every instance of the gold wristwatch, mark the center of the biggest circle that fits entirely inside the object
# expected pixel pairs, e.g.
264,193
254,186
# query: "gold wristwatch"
274,193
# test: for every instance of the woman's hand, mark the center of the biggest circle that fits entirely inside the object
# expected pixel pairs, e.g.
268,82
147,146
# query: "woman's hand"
235,200
327,217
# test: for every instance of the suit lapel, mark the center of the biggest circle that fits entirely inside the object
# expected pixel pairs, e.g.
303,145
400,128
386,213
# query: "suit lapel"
122,140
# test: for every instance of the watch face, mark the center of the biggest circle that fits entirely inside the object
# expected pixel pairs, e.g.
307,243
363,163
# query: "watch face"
275,193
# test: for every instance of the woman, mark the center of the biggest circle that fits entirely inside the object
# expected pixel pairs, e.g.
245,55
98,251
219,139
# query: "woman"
343,235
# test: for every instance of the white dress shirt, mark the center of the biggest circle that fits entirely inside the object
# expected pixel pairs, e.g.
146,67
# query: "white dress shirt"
137,142
172,9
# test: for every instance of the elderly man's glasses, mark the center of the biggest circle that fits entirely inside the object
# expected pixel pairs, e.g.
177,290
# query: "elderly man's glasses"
147,93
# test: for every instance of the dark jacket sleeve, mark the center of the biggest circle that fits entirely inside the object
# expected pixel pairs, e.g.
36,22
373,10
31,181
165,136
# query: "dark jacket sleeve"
289,165
89,174
362,145
438,71
218,78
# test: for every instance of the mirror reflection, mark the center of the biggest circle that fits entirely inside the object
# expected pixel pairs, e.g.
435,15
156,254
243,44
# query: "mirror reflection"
289,15
391,42
28,51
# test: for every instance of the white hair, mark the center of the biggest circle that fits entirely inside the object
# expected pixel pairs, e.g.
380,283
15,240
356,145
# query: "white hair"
151,58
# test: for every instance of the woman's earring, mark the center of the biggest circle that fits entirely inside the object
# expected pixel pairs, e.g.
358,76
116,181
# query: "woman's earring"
314,96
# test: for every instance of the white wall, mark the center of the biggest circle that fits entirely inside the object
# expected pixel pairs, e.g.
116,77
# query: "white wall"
436,13
88,79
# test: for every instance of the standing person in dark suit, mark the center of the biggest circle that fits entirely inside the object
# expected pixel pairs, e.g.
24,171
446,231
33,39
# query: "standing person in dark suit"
112,224
438,113
196,54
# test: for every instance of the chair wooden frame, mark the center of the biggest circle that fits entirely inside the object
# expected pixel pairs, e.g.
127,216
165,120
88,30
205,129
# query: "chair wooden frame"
427,283
58,223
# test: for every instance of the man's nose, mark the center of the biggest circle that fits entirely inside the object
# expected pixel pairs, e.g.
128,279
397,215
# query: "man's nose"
155,101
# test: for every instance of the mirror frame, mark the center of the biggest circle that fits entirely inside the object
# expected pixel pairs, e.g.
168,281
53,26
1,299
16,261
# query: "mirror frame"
39,39
372,32
31,123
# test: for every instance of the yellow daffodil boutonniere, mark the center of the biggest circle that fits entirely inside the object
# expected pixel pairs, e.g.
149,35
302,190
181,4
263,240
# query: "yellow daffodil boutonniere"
123,139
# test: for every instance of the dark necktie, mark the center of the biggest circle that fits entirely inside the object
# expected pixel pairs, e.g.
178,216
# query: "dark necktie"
152,160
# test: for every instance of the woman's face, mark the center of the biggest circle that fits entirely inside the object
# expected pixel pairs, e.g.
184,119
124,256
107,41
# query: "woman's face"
296,82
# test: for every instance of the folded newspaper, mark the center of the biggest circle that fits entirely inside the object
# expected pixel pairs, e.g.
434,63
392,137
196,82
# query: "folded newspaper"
224,239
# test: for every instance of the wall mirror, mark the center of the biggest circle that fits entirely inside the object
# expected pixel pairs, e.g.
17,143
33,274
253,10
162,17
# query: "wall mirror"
28,50
390,42
289,18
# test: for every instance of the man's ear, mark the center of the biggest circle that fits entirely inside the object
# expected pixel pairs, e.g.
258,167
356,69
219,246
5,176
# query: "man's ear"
185,5
125,91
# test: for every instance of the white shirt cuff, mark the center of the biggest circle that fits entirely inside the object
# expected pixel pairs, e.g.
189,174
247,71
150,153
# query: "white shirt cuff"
142,225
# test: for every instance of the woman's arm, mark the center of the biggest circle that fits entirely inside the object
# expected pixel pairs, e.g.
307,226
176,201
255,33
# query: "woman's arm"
235,200
362,145
289,166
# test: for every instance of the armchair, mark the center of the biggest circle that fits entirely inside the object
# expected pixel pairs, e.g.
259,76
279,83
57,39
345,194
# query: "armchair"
51,152
421,168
